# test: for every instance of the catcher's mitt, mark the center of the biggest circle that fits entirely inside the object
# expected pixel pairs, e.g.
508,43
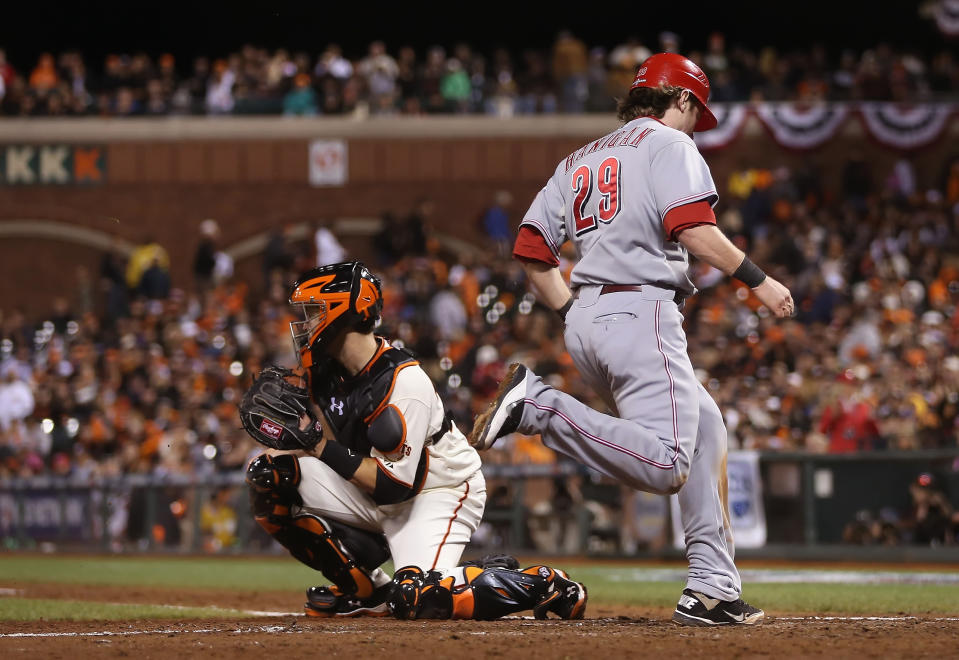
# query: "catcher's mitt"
272,408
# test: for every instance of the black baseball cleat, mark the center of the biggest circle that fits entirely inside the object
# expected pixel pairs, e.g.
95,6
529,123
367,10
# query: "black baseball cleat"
696,609
504,411
326,602
565,598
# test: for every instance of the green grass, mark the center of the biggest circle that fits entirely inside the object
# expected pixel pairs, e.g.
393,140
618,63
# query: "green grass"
268,573
34,609
802,598
608,584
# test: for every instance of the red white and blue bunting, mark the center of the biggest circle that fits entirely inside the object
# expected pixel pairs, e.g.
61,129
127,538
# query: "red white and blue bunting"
802,128
893,125
731,118
946,13
905,127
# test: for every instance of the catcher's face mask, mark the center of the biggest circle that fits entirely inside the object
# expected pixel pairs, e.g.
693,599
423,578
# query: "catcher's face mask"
314,320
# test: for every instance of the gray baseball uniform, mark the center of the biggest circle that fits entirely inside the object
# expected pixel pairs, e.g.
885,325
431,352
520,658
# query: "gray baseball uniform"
611,198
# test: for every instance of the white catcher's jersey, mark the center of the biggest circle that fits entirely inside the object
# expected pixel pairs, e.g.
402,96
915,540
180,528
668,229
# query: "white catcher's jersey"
451,459
610,199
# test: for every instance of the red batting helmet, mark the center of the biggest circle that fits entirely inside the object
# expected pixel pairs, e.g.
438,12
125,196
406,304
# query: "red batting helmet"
675,70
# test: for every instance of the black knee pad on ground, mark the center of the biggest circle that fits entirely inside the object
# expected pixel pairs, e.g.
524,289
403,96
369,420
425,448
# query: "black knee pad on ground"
501,591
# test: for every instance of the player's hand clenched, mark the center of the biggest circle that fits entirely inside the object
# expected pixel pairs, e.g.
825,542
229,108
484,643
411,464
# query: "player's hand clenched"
776,297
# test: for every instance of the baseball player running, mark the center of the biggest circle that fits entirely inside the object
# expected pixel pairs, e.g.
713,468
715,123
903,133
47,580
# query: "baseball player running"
635,203
382,472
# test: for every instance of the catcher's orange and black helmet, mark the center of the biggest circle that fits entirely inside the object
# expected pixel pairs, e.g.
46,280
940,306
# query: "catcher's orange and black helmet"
333,299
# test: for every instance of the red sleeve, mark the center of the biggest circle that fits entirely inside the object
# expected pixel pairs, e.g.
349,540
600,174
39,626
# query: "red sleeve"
531,246
686,216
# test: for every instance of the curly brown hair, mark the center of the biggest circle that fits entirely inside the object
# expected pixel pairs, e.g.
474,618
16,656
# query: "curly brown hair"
647,102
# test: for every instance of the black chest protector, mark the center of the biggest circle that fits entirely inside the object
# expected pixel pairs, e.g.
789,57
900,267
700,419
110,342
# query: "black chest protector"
350,404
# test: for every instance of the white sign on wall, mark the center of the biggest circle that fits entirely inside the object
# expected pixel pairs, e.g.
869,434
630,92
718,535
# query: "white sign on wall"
328,163
746,513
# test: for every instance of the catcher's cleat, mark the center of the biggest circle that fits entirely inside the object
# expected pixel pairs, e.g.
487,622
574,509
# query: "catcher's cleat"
565,598
504,411
696,609
326,602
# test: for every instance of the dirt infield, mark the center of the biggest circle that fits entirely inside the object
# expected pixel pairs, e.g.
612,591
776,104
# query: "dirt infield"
621,637
612,632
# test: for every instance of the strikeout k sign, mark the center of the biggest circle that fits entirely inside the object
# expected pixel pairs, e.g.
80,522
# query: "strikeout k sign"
52,164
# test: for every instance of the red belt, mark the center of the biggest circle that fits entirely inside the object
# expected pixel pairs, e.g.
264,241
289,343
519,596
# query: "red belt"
679,298
617,288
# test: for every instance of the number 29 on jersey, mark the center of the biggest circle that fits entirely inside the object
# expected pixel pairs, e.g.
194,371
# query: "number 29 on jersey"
604,205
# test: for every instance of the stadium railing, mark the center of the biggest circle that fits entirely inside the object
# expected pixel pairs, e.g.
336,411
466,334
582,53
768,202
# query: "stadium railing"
808,501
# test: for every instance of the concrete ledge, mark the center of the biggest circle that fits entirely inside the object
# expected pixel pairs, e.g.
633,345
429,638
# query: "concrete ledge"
85,130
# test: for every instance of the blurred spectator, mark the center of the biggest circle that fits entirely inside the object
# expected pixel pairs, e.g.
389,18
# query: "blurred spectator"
430,79
113,283
570,65
668,42
327,247
537,91
148,270
157,98
847,419
598,96
388,242
204,259
496,225
301,100
415,227
43,78
884,528
455,87
447,315
219,90
332,63
408,81
624,59
16,399
380,71
7,72
218,521
932,520
277,254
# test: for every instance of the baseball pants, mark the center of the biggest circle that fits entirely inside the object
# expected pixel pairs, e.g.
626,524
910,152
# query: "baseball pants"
430,530
667,434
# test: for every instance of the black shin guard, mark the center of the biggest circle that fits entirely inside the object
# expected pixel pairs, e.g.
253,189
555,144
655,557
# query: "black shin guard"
488,593
344,555
497,592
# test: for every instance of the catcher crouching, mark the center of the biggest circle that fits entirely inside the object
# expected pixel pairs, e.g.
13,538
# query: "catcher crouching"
372,468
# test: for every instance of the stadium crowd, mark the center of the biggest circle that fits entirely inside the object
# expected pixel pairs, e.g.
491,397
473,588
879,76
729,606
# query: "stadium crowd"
568,77
140,374
143,371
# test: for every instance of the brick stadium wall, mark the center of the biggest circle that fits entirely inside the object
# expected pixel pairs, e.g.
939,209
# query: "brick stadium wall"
166,187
